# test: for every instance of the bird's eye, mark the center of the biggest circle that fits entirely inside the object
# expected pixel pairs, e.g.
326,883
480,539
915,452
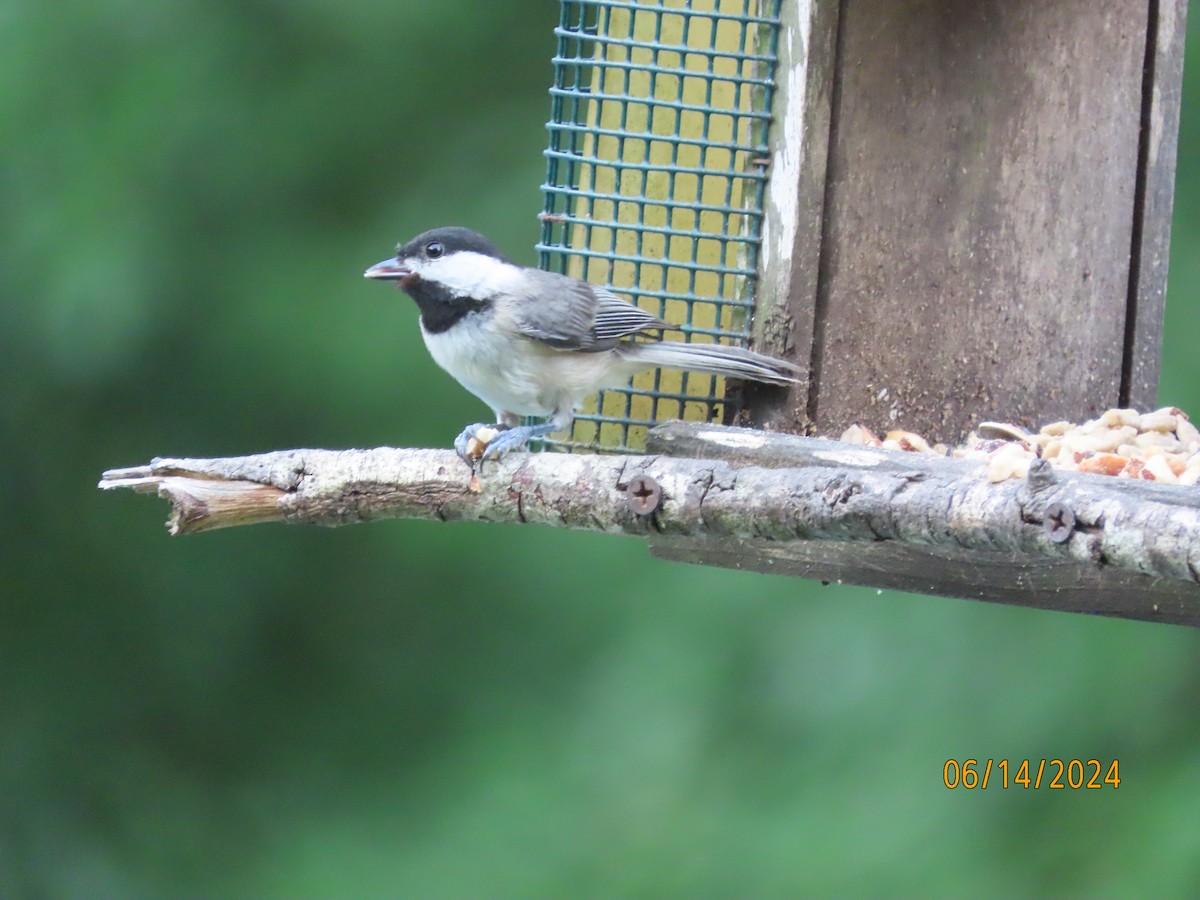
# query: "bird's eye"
435,249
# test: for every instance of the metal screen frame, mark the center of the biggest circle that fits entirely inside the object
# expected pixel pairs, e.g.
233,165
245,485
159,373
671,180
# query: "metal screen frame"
656,169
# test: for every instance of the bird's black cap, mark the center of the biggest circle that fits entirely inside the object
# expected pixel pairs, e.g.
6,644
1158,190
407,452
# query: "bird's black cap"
453,239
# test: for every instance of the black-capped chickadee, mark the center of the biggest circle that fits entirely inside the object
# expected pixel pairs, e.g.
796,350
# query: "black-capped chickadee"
533,343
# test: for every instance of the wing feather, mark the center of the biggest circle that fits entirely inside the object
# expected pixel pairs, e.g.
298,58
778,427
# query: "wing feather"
570,315
617,318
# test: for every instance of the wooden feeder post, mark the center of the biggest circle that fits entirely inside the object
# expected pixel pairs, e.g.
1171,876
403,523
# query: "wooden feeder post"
969,211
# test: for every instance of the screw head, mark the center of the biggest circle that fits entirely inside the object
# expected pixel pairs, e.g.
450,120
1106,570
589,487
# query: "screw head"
644,494
1059,522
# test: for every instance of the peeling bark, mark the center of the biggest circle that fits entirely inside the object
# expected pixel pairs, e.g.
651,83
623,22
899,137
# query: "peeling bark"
782,489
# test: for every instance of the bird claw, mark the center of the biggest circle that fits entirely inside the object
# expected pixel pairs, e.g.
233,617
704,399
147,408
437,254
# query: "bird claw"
480,442
507,440
473,441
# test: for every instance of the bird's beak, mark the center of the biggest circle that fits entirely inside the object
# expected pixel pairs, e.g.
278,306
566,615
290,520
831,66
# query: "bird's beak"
388,270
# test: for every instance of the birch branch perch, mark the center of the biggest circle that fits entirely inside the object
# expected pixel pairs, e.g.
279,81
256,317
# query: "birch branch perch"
763,491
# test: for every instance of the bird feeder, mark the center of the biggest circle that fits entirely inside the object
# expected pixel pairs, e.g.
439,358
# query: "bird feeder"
942,211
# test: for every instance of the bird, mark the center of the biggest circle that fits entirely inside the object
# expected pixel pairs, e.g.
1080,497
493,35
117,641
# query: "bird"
532,343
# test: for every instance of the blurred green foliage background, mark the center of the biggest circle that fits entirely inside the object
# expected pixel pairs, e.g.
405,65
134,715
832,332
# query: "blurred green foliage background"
189,193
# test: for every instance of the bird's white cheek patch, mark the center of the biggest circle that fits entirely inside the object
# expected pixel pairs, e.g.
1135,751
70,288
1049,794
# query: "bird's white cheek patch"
470,274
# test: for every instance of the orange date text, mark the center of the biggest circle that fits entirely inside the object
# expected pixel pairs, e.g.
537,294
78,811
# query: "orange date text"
1031,774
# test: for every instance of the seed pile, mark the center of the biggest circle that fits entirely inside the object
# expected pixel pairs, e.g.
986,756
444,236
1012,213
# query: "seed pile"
1156,446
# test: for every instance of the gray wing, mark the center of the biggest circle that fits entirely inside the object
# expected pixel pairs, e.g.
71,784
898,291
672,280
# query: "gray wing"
571,315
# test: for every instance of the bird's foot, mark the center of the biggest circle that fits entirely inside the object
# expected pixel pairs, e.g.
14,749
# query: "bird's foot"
479,442
473,440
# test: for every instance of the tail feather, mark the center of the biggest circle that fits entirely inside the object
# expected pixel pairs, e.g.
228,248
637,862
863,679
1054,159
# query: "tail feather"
713,359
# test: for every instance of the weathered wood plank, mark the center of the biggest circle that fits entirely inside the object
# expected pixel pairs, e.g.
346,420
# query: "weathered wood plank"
982,190
1008,578
981,212
793,207
1152,234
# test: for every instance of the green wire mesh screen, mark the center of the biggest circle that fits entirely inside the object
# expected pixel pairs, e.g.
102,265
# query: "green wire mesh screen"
656,168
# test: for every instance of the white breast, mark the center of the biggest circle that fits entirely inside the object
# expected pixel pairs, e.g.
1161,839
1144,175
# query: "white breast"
515,374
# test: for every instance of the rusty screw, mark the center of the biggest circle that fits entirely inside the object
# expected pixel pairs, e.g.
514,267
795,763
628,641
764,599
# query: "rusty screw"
644,494
1059,522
